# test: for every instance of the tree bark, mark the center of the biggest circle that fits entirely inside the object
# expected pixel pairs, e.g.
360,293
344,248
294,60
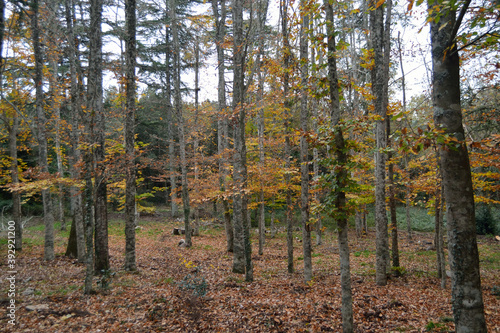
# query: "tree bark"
130,91
288,151
52,27
75,155
407,186
341,175
467,300
14,174
95,100
242,259
180,119
41,122
88,223
378,77
170,122
261,18
304,151
222,123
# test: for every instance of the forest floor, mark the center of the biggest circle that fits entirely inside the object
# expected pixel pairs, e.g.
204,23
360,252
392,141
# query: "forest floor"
167,293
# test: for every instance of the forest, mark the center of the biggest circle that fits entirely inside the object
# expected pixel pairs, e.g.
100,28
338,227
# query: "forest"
250,166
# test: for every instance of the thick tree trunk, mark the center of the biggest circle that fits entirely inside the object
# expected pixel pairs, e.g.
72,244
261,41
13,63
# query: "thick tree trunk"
378,77
41,121
130,91
304,151
467,300
341,176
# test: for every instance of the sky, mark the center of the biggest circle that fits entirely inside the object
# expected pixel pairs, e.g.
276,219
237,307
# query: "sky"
416,57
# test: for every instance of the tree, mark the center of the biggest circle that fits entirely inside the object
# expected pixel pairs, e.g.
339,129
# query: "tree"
130,91
340,174
222,121
76,244
467,301
378,82
242,258
41,122
287,104
180,119
95,105
304,152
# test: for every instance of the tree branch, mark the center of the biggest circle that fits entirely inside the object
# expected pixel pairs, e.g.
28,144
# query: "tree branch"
458,22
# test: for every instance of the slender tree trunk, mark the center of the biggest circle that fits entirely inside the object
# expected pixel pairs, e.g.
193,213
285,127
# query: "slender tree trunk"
14,174
314,110
180,119
262,165
41,121
261,15
341,176
467,300
196,227
407,190
288,150
242,259
96,106
51,28
392,194
88,222
304,151
170,120
441,240
130,91
378,77
438,236
75,156
222,123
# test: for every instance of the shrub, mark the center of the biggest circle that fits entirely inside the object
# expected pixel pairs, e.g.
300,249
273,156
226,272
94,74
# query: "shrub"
485,224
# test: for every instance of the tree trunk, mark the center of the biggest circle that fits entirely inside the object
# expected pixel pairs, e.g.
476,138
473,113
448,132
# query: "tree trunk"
95,100
467,300
180,119
407,192
222,123
41,121
441,240
196,227
341,176
314,110
378,77
88,223
242,259
288,150
261,15
304,151
75,156
170,120
14,174
130,91
438,239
